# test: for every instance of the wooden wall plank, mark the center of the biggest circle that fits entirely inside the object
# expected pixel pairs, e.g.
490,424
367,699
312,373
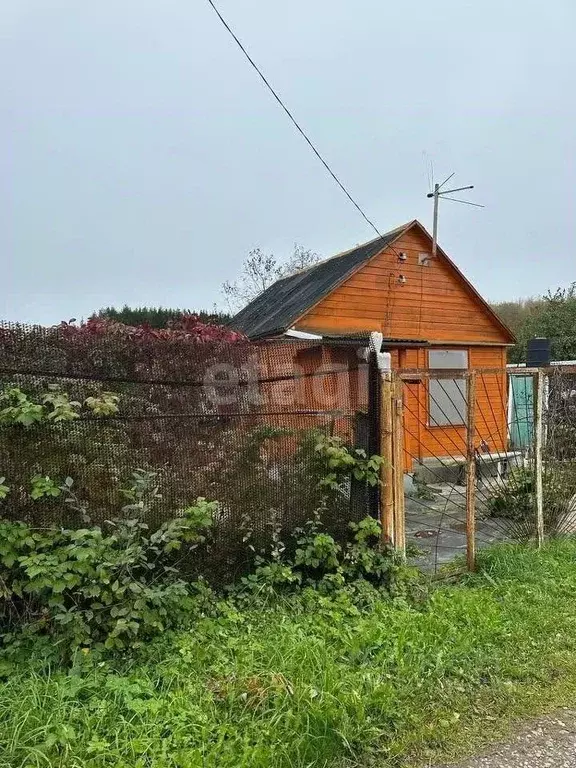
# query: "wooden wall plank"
434,303
425,441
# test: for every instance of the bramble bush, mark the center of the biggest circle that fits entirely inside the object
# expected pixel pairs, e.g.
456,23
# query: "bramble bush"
111,586
18,408
320,563
273,482
341,462
311,556
106,587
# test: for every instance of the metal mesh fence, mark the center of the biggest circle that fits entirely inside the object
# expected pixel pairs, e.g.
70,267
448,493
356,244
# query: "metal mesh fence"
559,450
457,454
474,480
545,481
232,422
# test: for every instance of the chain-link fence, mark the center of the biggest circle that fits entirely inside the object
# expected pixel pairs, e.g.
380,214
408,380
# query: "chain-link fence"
490,456
232,422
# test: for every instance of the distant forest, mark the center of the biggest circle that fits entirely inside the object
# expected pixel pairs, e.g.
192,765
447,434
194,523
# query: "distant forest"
158,317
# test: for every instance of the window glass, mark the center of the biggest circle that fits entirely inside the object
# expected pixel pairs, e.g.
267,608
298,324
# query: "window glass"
447,397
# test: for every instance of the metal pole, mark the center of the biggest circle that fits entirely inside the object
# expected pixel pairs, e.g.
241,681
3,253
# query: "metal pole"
471,474
374,433
538,432
436,196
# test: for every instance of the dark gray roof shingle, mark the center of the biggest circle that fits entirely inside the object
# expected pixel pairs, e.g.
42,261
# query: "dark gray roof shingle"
275,310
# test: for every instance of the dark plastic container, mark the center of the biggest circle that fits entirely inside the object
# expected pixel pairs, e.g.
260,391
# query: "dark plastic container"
538,353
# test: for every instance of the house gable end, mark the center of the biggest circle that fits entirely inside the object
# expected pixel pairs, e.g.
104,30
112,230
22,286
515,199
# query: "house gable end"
433,301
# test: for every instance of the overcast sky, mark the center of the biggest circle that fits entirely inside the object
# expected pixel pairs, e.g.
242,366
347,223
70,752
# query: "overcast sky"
141,157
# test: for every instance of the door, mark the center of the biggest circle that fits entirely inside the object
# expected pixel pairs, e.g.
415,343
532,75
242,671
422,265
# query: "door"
521,411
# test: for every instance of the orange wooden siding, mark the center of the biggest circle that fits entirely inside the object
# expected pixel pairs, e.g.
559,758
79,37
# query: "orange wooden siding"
424,441
345,390
434,303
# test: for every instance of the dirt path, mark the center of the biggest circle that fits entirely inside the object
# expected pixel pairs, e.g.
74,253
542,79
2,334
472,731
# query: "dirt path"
549,742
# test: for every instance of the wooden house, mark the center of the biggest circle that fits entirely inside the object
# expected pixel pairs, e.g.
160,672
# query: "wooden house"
431,318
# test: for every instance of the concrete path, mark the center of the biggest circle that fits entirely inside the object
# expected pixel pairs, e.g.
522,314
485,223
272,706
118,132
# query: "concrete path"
437,525
549,742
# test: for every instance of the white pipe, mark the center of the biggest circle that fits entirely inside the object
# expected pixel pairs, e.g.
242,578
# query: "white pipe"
383,359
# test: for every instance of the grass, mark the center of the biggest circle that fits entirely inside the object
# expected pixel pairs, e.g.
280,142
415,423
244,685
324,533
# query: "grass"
316,682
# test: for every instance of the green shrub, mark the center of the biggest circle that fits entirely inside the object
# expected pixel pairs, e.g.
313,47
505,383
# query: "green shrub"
339,462
18,409
104,587
270,485
515,501
311,556
320,562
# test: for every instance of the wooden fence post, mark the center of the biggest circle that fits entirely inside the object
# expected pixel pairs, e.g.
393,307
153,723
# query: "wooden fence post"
471,473
398,468
538,432
386,451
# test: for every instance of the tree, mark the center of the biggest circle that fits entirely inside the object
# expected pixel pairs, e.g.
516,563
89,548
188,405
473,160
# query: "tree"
515,315
156,317
552,316
555,319
259,271
300,260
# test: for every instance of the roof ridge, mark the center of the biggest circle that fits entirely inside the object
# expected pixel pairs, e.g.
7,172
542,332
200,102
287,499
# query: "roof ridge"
287,298
350,250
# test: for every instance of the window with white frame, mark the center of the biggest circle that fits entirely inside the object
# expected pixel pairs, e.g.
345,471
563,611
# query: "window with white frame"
447,397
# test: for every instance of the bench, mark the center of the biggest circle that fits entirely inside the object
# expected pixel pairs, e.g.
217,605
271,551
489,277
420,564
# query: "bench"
451,469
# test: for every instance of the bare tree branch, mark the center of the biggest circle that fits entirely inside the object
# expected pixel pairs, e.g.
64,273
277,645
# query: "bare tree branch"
259,271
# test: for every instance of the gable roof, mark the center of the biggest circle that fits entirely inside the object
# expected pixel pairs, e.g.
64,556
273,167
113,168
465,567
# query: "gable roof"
478,296
276,309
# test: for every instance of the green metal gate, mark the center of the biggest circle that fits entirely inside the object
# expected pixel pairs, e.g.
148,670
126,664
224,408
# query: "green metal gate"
521,413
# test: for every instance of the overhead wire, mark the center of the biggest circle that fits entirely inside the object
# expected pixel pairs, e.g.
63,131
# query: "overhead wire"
302,132
292,118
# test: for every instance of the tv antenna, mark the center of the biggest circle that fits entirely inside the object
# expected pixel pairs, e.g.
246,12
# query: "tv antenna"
437,194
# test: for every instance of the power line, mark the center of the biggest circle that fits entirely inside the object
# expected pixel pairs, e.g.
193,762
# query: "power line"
293,119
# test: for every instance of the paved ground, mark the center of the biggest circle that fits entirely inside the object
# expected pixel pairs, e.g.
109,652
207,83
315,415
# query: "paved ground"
549,742
437,524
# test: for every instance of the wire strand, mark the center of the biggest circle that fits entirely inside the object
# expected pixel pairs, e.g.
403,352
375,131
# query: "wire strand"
293,119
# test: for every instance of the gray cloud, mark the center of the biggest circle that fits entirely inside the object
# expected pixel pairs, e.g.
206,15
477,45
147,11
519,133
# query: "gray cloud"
141,158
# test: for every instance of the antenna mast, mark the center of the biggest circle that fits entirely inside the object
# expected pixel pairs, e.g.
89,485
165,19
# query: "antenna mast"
436,195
